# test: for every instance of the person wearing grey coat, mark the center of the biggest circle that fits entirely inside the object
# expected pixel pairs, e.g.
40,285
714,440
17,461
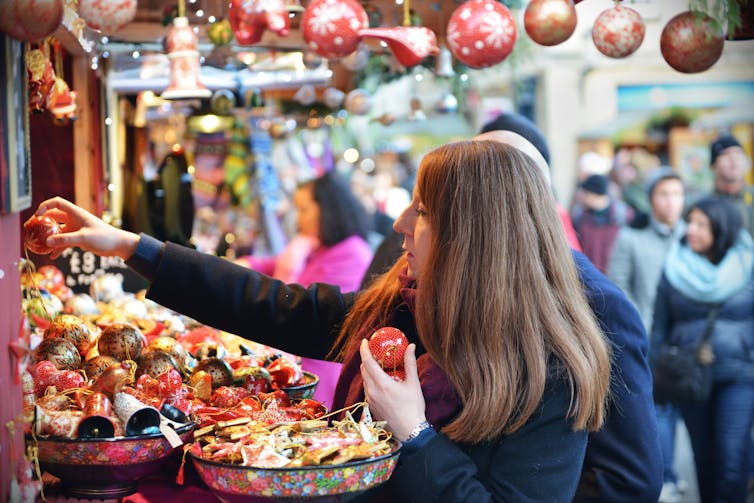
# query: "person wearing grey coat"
635,266
636,261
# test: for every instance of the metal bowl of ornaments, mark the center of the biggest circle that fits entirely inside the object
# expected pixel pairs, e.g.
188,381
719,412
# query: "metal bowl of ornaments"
70,445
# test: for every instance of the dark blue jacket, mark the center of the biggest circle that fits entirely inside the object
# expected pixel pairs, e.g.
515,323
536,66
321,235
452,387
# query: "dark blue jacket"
623,460
681,321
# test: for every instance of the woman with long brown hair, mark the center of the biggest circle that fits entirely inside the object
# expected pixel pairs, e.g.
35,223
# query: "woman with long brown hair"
507,369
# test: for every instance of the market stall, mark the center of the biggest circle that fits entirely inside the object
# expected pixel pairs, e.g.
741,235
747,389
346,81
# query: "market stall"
196,121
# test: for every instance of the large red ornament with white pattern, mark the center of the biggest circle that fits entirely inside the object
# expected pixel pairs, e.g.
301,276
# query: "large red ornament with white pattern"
250,18
30,20
618,32
690,45
107,16
331,27
550,22
481,33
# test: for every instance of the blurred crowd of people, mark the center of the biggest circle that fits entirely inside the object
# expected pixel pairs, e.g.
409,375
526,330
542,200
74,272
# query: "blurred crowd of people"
685,263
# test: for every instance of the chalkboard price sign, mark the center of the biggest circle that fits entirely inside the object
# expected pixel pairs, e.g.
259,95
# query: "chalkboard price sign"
80,267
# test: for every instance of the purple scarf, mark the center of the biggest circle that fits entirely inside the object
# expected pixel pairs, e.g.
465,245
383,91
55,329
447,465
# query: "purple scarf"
442,402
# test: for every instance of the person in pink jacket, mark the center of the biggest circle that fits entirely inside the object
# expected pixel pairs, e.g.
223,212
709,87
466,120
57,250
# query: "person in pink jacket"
331,244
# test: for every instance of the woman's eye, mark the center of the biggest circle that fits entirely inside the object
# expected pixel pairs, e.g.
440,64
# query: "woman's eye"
420,212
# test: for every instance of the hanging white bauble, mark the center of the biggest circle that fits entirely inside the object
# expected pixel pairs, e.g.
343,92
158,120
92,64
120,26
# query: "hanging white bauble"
107,16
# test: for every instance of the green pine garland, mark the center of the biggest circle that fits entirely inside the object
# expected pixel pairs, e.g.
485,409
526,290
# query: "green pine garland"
724,13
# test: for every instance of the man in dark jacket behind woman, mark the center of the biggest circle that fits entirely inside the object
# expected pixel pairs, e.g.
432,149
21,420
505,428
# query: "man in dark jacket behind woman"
712,266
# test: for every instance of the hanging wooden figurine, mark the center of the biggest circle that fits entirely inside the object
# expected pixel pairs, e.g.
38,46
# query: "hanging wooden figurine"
61,101
41,76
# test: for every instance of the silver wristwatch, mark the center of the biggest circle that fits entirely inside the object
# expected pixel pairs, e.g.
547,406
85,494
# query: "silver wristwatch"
417,430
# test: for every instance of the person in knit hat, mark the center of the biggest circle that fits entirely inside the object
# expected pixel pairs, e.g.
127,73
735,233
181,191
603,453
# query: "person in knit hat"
730,164
509,122
598,218
519,124
636,267
622,463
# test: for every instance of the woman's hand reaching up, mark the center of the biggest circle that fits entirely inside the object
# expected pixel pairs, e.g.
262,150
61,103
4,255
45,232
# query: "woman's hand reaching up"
84,230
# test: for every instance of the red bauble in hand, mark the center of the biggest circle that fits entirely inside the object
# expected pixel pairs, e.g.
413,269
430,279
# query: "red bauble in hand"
36,231
388,346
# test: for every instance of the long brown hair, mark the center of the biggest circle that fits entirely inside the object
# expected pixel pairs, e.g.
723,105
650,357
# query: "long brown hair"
499,298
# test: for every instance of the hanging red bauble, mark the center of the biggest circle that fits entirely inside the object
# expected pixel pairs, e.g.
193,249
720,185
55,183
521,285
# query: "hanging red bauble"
331,27
618,32
250,18
691,45
107,16
550,22
30,20
481,33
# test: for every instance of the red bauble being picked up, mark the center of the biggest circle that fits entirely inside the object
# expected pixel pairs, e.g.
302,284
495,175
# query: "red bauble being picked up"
691,45
481,33
36,231
618,32
388,345
550,22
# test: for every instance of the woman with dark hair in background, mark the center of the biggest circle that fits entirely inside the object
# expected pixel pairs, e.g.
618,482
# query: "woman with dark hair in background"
331,244
711,268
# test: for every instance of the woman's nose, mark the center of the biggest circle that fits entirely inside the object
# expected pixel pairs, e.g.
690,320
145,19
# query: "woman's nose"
401,225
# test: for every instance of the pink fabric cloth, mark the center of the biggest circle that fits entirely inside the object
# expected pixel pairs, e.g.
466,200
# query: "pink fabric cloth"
328,373
342,264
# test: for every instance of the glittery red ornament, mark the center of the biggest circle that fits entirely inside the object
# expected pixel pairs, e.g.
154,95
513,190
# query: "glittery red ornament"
550,22
618,32
690,45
